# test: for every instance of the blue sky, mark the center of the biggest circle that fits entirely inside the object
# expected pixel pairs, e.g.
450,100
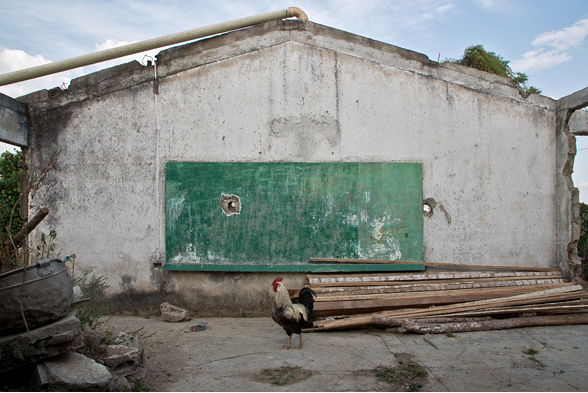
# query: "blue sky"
548,40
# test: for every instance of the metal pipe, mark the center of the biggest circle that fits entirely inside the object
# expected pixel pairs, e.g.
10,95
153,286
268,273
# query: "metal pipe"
142,46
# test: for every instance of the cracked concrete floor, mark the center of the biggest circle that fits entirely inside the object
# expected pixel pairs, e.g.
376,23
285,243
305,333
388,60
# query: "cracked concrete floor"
231,353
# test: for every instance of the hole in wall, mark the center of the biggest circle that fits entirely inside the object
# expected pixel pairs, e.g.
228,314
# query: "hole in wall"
428,207
230,204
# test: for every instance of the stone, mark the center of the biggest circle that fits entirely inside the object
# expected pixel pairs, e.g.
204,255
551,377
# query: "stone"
122,360
172,313
72,372
119,383
41,343
94,343
138,379
77,292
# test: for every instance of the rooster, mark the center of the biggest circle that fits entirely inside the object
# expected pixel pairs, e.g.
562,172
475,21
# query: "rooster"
292,316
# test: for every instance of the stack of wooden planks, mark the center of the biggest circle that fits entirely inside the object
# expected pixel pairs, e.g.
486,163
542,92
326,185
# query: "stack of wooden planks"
440,301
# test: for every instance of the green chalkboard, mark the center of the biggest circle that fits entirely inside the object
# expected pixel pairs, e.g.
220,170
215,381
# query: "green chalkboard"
284,213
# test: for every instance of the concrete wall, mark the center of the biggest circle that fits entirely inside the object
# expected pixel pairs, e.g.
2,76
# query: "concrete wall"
289,91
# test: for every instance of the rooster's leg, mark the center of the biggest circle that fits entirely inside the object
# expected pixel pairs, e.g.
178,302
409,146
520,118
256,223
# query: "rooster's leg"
288,346
300,336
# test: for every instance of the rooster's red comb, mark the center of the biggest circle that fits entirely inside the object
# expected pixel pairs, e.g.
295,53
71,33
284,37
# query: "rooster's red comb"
278,279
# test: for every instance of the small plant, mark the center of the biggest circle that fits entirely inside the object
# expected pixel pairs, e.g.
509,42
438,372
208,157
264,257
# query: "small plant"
449,333
411,376
532,352
285,375
90,312
46,248
139,386
242,313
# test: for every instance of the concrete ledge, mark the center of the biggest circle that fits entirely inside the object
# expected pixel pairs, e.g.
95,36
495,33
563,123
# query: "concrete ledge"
303,268
14,123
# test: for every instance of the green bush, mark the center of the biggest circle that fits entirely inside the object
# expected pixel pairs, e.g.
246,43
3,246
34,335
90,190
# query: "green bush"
10,172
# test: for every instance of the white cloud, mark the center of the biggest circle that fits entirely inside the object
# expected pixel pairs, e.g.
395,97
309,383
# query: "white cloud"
113,43
14,60
562,39
536,59
552,47
499,6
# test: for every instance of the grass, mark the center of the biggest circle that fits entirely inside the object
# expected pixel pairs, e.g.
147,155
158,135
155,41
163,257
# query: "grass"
410,375
532,352
285,375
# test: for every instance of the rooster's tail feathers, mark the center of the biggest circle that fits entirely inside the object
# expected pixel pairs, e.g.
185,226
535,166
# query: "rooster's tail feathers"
306,297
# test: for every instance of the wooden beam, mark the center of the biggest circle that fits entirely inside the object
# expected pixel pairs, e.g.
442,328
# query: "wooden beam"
554,295
484,293
420,327
372,279
431,264
431,285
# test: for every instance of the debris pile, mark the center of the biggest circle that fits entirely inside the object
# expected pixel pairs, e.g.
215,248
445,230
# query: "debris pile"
448,301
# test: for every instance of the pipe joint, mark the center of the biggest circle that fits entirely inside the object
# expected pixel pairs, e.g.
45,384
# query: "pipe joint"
298,13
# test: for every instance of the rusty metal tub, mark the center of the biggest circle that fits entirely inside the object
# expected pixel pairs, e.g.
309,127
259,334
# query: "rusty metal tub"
46,293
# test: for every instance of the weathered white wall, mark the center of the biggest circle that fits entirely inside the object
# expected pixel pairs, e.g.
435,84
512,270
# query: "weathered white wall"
291,91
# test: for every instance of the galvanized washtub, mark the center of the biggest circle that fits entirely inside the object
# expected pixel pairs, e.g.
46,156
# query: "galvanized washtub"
46,294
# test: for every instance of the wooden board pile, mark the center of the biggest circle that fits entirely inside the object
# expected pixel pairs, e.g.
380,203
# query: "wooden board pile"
436,302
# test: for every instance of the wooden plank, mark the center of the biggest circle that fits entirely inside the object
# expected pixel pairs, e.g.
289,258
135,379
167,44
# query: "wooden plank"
420,327
432,264
420,299
530,298
558,294
556,307
430,286
448,294
371,279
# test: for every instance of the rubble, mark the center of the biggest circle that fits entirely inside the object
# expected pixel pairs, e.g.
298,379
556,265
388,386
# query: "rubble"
64,356
72,372
44,342
172,313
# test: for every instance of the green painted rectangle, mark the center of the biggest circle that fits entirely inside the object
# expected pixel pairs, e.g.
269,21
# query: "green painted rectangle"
298,268
293,211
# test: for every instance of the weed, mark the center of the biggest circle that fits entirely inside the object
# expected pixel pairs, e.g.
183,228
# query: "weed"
90,312
139,386
285,375
449,333
46,248
532,352
411,375
242,313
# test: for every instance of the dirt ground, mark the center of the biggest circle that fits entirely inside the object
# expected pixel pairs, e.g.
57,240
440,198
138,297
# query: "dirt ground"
244,354
165,359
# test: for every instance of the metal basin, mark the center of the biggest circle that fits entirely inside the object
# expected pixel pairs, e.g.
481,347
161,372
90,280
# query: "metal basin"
46,292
